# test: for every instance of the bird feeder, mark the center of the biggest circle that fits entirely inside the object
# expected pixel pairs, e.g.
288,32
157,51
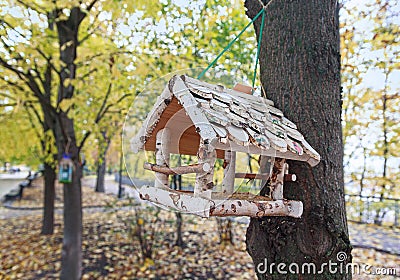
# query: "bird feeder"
192,117
65,170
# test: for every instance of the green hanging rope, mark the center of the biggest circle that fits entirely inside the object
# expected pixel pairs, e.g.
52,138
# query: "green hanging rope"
231,43
258,48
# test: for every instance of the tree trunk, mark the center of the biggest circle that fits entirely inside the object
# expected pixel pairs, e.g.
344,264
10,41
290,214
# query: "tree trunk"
177,185
179,240
225,231
49,196
71,256
380,213
300,72
64,132
101,172
101,164
363,173
72,243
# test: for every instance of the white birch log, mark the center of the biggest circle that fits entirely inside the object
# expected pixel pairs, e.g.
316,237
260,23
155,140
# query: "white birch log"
193,168
204,181
162,156
175,200
186,202
277,179
228,182
265,176
138,142
282,207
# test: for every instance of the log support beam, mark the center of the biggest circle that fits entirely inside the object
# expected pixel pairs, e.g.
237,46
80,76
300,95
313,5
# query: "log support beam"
187,202
180,170
250,208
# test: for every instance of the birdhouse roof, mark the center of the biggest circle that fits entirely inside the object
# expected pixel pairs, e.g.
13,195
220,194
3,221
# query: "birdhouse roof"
226,118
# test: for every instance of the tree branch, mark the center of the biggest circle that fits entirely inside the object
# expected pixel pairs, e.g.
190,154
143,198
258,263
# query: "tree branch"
8,104
37,72
87,36
37,9
87,60
91,27
35,128
35,111
30,82
84,76
103,108
15,85
85,137
11,68
48,59
91,5
111,105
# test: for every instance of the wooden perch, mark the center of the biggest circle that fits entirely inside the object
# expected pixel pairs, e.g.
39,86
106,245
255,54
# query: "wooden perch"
264,176
235,207
193,168
290,178
187,202
177,200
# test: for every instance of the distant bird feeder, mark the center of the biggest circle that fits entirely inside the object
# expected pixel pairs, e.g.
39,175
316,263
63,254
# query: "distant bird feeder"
65,170
192,117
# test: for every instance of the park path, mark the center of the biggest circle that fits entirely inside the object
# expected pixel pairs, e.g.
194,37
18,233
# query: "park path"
112,186
384,239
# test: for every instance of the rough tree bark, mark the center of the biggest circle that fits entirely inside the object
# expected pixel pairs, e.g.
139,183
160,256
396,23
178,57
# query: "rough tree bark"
49,175
49,167
300,72
71,256
100,174
380,213
101,164
64,132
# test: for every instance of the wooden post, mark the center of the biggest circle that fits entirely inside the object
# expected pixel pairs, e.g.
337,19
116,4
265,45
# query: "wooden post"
228,183
204,181
277,178
162,156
